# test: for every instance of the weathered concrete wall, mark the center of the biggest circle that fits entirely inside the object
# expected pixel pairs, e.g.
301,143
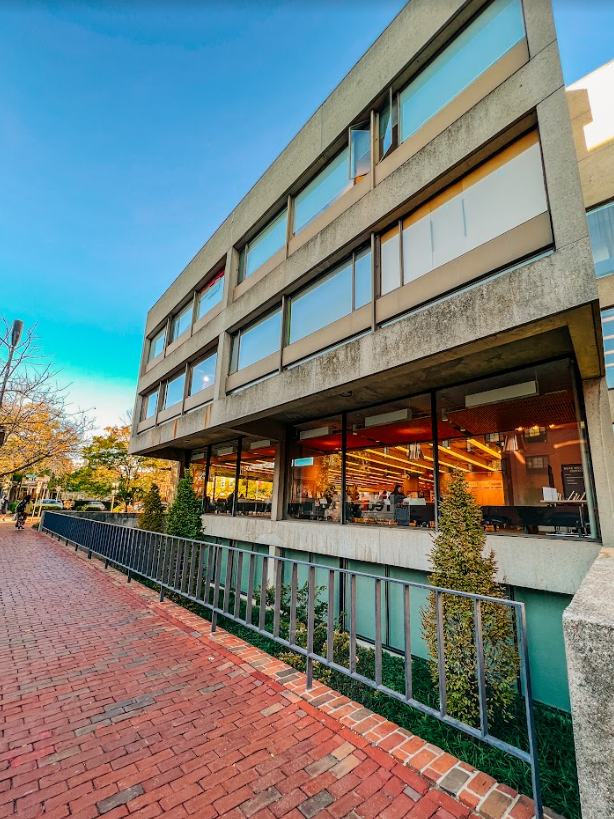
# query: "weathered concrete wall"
546,564
588,626
129,519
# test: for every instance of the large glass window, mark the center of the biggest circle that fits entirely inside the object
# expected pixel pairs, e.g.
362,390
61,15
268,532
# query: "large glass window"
181,322
504,193
174,391
257,341
516,437
149,405
315,470
331,297
220,495
202,374
211,294
256,479
321,192
601,231
156,345
389,464
498,29
607,324
517,440
218,469
266,244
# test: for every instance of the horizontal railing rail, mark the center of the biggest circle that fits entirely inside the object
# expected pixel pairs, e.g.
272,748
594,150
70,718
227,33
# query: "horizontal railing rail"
261,592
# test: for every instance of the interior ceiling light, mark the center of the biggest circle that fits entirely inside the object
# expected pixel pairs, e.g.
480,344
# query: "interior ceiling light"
387,418
524,390
513,442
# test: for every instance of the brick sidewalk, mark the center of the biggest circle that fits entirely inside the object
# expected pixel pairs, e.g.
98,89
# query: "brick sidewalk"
107,708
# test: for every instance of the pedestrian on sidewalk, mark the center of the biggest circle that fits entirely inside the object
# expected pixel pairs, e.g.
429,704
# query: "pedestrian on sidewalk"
4,506
25,508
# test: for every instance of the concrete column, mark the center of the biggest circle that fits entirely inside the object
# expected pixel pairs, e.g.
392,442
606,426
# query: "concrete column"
279,482
601,443
588,627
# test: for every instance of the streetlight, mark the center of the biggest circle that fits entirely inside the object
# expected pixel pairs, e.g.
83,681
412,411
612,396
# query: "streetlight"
15,336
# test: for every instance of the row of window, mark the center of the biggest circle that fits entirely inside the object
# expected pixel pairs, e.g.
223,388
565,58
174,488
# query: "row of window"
501,195
516,437
205,300
476,49
479,46
198,377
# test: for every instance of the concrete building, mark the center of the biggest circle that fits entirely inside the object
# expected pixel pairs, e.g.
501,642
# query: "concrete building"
408,289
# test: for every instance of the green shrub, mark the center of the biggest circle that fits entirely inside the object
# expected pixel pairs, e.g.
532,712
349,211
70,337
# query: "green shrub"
184,516
458,563
152,516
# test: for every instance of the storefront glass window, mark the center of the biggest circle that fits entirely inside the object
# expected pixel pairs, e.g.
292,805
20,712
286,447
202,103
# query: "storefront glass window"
221,480
256,479
517,440
389,464
315,470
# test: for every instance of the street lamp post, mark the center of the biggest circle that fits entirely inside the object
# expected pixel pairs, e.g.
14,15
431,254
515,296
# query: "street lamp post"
15,336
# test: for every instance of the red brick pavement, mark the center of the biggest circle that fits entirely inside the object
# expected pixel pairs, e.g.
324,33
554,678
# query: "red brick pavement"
108,708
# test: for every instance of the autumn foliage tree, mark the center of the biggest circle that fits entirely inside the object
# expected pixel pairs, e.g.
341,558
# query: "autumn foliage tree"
459,563
108,463
40,428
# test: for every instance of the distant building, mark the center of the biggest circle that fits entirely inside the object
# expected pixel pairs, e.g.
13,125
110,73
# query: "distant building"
409,289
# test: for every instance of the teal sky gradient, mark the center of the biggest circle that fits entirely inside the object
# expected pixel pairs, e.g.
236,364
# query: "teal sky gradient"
128,132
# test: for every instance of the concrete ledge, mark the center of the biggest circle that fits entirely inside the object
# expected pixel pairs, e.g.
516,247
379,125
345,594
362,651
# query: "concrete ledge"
588,627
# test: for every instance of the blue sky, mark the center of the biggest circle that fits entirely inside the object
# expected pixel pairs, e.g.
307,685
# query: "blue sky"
129,131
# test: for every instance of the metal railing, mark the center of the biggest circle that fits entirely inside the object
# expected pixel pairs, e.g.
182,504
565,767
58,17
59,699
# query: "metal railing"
228,581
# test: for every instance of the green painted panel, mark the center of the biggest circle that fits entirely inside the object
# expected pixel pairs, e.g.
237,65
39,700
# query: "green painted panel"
365,599
544,612
417,599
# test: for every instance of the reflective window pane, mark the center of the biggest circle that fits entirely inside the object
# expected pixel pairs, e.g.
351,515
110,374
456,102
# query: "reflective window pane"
266,244
259,340
390,261
211,295
385,130
532,484
362,278
328,186
221,482
150,405
181,322
607,324
256,479
389,464
174,391
496,198
601,231
360,152
315,471
203,374
327,300
474,51
156,345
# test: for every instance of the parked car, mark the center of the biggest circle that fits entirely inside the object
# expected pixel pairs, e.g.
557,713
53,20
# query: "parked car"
95,505
52,503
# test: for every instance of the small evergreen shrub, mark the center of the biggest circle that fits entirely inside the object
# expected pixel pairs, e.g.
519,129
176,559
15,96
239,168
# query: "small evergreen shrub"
152,516
458,563
184,516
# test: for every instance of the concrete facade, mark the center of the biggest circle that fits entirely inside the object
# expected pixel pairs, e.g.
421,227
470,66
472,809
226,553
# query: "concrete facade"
544,308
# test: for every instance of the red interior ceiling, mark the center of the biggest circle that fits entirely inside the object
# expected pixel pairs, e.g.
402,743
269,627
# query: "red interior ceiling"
538,410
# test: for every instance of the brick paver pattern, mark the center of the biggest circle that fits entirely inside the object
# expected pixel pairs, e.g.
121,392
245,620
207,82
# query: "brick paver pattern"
108,709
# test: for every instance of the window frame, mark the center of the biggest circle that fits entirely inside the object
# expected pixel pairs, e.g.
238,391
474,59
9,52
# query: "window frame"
187,309
200,293
237,337
171,380
192,367
162,332
243,275
145,404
